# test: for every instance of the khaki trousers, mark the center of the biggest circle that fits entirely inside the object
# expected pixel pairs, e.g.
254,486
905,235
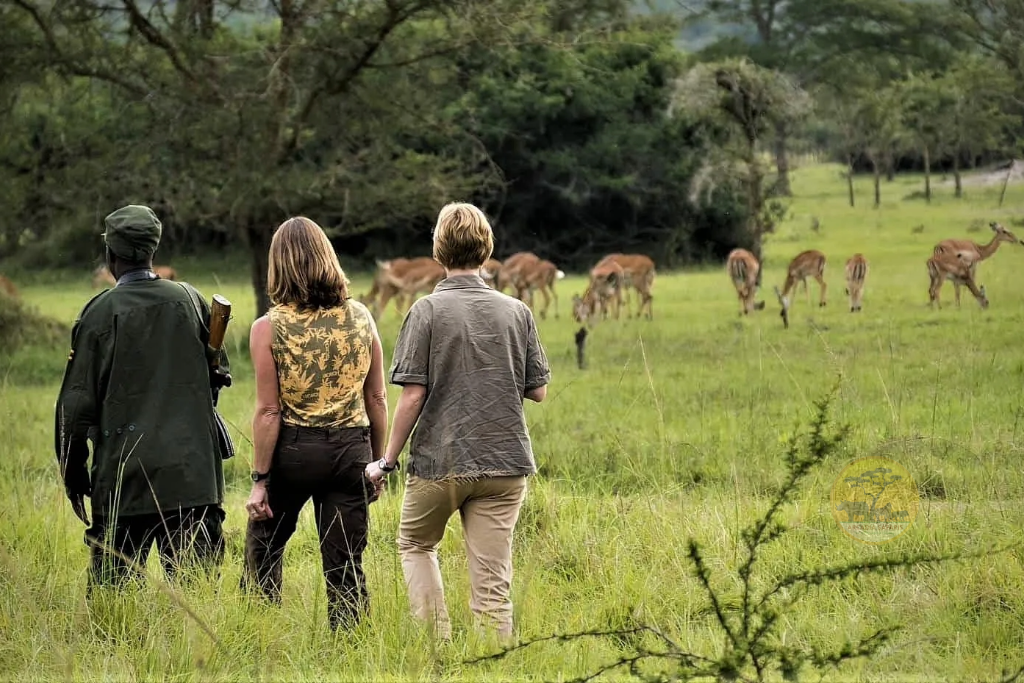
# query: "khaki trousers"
489,509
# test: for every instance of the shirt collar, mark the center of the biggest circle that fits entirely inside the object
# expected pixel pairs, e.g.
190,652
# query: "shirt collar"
461,282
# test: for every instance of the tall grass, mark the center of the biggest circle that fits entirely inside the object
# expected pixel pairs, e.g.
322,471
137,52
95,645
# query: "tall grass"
677,429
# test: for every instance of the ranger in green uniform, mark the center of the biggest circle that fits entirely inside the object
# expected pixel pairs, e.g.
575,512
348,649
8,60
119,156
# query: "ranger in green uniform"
138,386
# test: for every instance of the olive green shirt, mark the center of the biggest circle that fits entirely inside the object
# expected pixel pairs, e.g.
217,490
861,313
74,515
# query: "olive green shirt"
477,352
137,384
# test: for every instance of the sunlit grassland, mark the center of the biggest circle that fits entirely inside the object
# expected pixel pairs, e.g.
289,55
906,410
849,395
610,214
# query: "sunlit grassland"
674,430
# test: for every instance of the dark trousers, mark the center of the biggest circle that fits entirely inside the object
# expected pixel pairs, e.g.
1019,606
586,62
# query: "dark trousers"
328,466
189,538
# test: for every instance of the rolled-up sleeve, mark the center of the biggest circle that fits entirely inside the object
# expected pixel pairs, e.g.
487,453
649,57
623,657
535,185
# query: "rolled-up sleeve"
538,372
411,361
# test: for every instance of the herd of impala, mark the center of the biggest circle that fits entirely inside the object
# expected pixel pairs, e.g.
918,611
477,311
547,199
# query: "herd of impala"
614,275
523,273
954,260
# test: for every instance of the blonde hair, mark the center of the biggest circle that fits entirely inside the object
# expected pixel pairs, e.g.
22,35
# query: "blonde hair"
304,270
462,237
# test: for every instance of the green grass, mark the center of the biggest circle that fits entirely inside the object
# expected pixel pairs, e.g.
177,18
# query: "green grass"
675,430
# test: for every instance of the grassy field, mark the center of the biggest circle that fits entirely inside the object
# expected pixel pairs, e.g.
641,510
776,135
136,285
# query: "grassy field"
676,430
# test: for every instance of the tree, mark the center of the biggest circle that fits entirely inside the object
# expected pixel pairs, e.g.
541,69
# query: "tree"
747,101
813,41
874,483
978,114
923,103
237,102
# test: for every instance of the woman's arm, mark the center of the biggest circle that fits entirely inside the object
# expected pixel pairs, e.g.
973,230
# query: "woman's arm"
375,397
266,421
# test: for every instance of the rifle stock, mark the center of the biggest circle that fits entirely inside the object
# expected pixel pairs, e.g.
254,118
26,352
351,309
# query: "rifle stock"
220,313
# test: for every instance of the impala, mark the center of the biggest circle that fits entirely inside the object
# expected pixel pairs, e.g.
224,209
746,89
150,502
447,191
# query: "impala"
806,264
743,267
541,276
7,288
638,273
973,253
958,269
405,281
603,292
856,272
389,273
490,272
166,272
512,267
101,276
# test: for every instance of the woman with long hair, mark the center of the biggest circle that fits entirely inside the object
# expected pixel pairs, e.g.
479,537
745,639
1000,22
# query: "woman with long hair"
321,417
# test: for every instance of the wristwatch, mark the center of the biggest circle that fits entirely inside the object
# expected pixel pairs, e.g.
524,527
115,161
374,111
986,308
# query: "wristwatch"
383,465
258,476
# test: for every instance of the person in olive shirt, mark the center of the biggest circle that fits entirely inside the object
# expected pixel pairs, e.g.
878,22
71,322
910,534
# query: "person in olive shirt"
138,386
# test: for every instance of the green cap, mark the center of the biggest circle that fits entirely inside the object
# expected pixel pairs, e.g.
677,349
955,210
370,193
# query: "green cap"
133,232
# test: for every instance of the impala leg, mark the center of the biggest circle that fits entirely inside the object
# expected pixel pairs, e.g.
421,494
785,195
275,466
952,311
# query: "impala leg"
956,293
554,295
547,302
824,287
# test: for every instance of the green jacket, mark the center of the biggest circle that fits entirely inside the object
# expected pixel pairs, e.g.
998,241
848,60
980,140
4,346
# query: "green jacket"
137,385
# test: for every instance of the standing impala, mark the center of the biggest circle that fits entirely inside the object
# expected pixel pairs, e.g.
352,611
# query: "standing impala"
806,264
638,272
856,272
973,253
958,269
743,267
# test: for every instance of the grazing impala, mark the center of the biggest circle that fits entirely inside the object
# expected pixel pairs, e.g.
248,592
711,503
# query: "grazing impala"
8,289
958,269
806,264
512,267
405,281
166,272
101,276
490,272
973,253
856,272
638,273
743,267
604,292
540,275
379,284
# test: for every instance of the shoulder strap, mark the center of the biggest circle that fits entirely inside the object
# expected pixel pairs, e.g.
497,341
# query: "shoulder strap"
81,314
193,296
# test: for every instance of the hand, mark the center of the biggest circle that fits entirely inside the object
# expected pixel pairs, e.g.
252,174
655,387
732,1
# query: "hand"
375,474
258,506
376,488
76,487
78,506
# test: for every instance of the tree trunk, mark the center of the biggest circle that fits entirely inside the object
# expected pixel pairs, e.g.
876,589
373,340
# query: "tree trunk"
849,177
878,183
782,187
927,176
959,192
258,240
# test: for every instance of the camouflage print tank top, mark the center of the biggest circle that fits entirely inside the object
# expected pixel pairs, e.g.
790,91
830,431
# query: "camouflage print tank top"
322,358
